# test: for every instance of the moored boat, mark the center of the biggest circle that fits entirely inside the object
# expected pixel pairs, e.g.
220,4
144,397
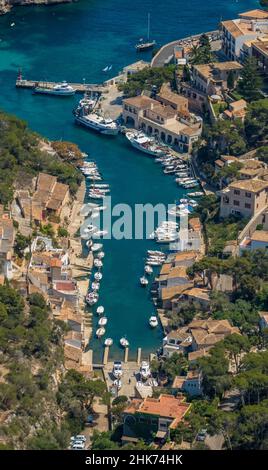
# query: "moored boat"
61,89
100,332
142,142
124,342
153,322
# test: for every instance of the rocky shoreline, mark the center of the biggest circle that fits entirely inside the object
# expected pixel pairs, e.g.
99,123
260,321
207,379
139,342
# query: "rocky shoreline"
6,5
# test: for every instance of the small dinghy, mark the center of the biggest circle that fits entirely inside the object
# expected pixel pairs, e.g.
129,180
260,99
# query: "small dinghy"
98,276
124,342
100,332
100,310
153,322
102,321
101,254
144,281
148,269
92,298
108,342
89,243
98,263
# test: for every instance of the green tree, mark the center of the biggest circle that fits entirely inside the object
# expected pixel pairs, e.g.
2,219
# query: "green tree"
250,82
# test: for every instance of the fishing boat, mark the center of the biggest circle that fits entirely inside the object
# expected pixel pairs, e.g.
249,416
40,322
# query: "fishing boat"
153,322
117,369
100,310
96,122
148,269
98,263
102,321
144,281
108,342
145,371
61,89
142,142
124,342
100,332
146,45
98,276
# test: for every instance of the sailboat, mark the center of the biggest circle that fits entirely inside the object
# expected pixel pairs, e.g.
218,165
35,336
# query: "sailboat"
106,69
146,45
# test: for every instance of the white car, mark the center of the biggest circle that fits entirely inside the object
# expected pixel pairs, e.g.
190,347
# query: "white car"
79,445
79,437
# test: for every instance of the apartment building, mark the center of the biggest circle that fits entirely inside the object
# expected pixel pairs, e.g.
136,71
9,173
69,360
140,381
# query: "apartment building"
211,79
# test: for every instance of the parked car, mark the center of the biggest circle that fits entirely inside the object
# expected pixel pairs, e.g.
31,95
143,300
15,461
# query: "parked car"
201,436
79,437
78,445
90,420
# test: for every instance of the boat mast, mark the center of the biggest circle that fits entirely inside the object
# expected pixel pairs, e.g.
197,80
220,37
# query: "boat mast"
148,28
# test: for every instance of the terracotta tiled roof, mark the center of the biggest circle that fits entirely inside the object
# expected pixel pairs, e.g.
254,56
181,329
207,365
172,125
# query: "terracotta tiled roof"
260,236
140,101
255,14
253,185
168,293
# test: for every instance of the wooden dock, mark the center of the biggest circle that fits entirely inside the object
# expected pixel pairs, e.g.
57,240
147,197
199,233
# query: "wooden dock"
78,87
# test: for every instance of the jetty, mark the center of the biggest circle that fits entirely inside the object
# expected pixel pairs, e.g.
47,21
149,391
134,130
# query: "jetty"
78,87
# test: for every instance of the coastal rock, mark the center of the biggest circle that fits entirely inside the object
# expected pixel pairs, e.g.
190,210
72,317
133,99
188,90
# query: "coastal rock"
6,5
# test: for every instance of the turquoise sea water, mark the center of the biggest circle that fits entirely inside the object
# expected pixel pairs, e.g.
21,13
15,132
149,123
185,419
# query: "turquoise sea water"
77,41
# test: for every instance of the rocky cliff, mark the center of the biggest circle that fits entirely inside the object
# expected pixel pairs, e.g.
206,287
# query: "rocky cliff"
6,5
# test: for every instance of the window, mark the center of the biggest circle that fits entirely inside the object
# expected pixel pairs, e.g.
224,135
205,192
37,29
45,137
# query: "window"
237,192
236,203
248,206
248,194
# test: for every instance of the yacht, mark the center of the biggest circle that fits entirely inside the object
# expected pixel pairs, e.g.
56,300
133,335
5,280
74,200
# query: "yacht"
145,371
147,44
142,142
96,122
100,233
144,281
153,322
196,194
98,276
117,369
61,89
156,253
108,342
96,247
92,298
100,332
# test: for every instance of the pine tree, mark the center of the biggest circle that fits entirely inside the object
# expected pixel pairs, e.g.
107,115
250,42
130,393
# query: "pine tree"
251,81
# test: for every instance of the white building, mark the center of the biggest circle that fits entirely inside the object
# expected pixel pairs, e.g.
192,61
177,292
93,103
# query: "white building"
250,25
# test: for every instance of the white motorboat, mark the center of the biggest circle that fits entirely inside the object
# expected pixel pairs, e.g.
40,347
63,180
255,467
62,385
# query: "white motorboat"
98,263
108,342
196,194
100,332
124,342
144,143
95,286
61,89
96,122
100,186
145,371
148,269
117,369
153,322
102,321
100,310
98,276
155,252
96,195
96,247
144,281
100,233
154,262
89,244
101,254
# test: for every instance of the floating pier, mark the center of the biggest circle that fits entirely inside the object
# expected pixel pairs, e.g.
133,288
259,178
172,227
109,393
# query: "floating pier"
78,87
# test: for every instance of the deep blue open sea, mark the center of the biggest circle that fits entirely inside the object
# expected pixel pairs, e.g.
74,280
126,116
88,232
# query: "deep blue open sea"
76,41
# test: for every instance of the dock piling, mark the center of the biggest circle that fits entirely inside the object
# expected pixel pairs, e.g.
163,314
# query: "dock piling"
139,356
126,355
